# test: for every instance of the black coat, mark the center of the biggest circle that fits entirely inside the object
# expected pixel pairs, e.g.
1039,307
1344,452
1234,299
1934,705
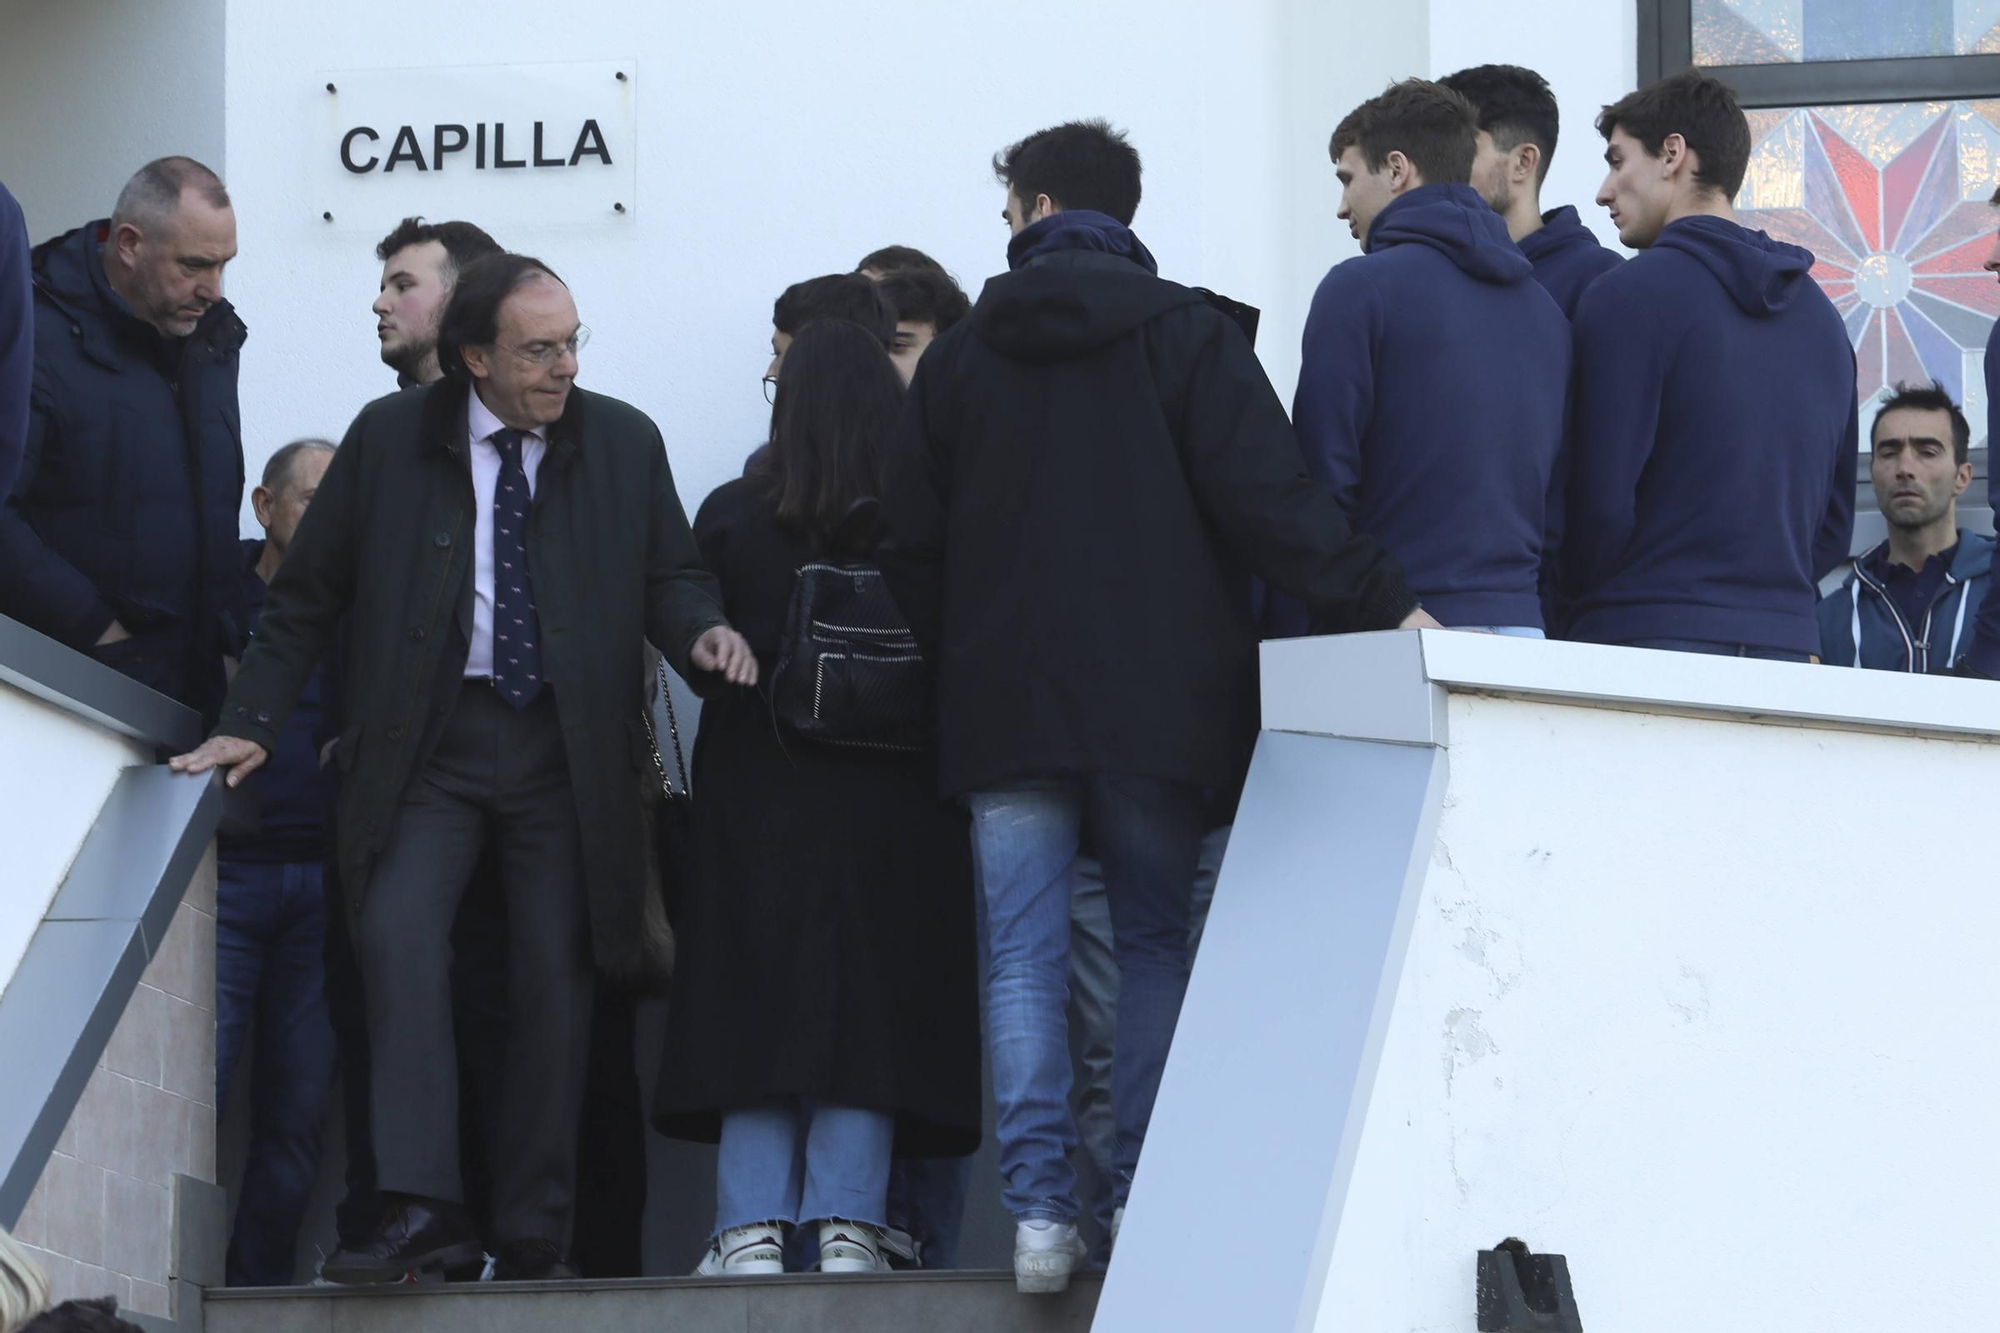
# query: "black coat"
1090,468
387,542
826,947
126,503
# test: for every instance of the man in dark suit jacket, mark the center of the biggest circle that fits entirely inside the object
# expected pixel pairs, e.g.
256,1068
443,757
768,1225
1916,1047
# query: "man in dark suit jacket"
500,542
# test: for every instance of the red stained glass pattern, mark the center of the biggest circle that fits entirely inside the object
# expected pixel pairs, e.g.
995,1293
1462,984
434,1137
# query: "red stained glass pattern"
1892,201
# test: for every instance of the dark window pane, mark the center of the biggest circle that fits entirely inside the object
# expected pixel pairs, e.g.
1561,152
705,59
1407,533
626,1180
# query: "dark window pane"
1769,32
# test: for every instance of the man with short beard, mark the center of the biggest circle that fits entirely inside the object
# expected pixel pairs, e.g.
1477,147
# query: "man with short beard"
119,533
421,262
1908,604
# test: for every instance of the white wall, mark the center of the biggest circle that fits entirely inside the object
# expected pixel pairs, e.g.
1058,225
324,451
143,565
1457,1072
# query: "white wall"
92,90
776,143
57,772
1664,1016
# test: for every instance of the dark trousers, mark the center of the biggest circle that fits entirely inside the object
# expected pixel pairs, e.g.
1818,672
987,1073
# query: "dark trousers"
270,938
498,777
479,1018
611,1149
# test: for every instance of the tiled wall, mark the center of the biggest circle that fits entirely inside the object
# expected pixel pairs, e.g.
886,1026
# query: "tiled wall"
101,1220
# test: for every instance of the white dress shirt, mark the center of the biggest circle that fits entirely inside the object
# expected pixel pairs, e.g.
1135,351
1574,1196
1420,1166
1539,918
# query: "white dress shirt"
480,423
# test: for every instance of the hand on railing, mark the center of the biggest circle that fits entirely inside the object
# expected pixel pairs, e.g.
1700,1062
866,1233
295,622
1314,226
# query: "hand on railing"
240,757
1420,619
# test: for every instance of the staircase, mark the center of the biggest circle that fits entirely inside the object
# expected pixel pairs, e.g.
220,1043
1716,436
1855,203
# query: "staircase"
965,1302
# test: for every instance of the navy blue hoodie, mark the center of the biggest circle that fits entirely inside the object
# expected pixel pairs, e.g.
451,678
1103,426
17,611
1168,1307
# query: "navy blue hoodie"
1567,256
1984,656
1431,400
1711,485
17,340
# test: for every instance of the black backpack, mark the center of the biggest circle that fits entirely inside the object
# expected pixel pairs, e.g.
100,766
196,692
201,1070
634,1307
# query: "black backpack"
849,672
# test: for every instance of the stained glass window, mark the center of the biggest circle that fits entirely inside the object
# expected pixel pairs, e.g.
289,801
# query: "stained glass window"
1892,200
1778,32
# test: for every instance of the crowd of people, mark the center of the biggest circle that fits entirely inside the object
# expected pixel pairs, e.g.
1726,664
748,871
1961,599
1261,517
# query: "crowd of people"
976,632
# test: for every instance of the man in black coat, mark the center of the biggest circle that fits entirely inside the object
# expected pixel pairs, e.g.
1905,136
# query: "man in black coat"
119,533
500,543
1090,469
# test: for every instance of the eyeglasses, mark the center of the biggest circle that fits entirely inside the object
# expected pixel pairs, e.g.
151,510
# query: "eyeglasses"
771,388
547,354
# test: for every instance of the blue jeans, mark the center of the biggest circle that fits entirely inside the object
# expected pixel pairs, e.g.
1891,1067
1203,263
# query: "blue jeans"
270,952
1093,1002
1719,649
792,1161
1147,833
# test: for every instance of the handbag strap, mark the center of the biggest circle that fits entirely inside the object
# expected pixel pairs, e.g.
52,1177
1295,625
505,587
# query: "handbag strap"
674,734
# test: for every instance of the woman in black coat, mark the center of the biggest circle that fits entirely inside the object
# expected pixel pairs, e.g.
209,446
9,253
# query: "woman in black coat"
825,1011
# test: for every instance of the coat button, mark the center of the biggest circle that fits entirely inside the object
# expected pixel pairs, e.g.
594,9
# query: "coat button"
396,731
263,716
417,634
442,540
241,711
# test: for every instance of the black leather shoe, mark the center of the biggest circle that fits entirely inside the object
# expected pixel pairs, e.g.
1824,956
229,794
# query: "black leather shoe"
532,1261
417,1238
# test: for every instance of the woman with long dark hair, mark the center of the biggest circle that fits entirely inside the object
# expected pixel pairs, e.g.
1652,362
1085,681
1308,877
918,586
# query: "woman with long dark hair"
825,1011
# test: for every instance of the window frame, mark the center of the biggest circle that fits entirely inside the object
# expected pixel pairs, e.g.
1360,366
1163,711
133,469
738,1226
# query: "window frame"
1666,46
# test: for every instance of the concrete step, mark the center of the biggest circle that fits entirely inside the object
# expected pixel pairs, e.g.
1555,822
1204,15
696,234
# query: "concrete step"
973,1302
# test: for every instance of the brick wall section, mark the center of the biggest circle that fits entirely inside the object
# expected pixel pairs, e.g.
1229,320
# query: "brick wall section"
101,1217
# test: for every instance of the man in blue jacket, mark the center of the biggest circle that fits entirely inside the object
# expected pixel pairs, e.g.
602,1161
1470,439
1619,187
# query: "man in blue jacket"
17,339
119,535
1435,375
1518,121
270,931
1712,483
1908,604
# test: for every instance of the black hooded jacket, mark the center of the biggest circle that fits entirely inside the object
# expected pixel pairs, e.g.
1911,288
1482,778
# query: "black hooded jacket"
1089,471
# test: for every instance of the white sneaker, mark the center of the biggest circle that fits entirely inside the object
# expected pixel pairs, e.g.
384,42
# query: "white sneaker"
1045,1254
757,1250
900,1250
850,1247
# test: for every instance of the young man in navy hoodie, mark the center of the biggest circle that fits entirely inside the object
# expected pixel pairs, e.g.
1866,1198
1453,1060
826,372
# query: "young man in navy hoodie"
1436,371
1518,121
1983,658
1712,485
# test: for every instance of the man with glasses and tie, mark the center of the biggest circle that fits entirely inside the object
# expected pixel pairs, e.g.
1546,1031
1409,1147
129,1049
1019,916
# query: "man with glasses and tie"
500,542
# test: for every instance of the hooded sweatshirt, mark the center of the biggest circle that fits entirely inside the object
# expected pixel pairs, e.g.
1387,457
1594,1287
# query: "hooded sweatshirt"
1431,399
1984,656
1567,256
1088,471
1712,482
